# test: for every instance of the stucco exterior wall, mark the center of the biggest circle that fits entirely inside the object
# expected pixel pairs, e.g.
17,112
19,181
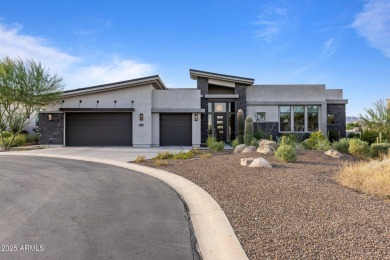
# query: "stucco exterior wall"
272,112
155,129
196,136
176,98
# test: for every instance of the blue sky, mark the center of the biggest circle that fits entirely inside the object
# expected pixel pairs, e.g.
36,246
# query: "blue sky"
343,44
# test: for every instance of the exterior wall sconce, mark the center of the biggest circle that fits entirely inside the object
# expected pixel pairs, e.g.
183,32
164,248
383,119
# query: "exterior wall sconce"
196,117
141,117
80,102
50,117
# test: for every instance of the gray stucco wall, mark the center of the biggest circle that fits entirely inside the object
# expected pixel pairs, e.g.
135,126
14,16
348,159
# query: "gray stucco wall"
51,132
339,119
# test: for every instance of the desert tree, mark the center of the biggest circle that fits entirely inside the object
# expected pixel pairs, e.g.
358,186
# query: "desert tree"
25,87
377,118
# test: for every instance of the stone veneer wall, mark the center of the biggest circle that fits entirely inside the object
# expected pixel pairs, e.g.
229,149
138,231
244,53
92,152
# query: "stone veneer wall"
240,103
203,86
339,119
51,132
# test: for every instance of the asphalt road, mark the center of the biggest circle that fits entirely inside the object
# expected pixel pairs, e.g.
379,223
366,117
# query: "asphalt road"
65,209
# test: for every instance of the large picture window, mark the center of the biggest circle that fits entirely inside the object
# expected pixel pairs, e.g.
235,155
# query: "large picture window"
298,118
285,118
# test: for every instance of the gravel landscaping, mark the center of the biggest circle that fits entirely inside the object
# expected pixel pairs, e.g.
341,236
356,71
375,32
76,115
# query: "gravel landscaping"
294,210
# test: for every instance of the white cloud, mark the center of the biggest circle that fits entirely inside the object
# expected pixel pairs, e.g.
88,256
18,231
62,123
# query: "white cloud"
76,71
373,23
328,48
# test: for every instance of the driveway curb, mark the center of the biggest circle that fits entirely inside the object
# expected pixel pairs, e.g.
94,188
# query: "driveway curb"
214,234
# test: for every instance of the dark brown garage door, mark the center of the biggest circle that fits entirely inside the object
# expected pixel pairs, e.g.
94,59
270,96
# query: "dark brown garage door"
175,129
98,129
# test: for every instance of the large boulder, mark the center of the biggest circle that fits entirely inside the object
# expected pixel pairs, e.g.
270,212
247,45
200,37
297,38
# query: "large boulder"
333,153
249,149
260,163
239,148
264,142
246,161
269,149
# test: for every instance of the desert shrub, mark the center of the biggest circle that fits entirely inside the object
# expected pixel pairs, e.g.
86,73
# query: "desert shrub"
140,159
358,148
342,145
369,136
354,135
323,145
32,138
314,138
369,177
254,142
234,143
205,155
213,144
183,155
6,134
377,150
19,140
159,162
163,155
286,153
287,140
298,137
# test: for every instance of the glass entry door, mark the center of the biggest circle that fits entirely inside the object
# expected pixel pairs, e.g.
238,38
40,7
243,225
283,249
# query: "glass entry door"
220,126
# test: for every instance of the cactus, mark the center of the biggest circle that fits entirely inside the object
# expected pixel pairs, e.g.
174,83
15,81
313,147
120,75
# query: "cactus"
248,135
271,137
240,126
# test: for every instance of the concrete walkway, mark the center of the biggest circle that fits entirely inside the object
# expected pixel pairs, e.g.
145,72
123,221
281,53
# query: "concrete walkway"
214,234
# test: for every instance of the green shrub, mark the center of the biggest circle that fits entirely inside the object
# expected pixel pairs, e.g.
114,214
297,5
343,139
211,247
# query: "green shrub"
354,135
358,148
183,155
333,136
323,145
298,137
32,138
234,143
369,136
164,155
286,153
306,145
317,140
342,145
6,134
287,140
213,144
19,140
254,142
377,149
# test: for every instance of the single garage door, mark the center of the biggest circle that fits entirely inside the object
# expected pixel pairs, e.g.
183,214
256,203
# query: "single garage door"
175,129
98,129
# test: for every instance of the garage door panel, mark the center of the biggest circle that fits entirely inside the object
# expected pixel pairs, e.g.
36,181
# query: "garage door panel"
175,129
98,129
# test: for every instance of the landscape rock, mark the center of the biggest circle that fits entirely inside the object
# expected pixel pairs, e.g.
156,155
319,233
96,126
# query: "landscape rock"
246,161
269,149
249,149
333,153
264,142
239,148
260,163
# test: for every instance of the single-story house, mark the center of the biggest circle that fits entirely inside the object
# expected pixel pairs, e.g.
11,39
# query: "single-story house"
143,112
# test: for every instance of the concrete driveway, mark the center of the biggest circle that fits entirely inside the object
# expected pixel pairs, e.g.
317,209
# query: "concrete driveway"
66,209
120,153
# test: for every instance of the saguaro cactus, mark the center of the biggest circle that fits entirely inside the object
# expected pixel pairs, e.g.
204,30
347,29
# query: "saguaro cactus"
248,136
240,126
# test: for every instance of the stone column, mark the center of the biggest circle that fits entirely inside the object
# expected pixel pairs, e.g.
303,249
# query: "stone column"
51,131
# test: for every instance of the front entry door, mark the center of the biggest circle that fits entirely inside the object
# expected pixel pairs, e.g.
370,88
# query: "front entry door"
220,126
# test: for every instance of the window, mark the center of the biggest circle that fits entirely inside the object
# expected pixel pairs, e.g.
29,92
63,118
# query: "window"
299,118
312,118
260,116
330,119
220,107
285,118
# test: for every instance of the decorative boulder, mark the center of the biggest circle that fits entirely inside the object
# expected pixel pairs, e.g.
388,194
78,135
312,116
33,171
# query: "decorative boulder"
246,161
264,142
260,163
239,148
249,149
269,149
333,153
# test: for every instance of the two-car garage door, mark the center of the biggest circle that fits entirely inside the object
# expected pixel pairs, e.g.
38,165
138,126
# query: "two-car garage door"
98,129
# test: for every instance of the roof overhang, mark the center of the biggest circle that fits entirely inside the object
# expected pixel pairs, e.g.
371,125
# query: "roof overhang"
209,75
337,101
124,110
155,81
178,110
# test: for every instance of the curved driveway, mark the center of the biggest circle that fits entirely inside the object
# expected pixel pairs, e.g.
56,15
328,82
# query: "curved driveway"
65,209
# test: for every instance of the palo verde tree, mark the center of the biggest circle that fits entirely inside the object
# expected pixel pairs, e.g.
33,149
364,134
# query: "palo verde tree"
25,87
377,119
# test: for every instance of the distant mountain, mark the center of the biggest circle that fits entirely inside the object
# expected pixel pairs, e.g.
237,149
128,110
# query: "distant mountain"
351,119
